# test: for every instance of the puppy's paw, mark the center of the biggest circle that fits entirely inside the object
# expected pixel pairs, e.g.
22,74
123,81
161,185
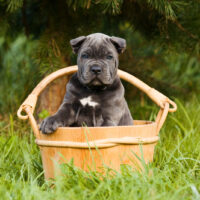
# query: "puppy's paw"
50,124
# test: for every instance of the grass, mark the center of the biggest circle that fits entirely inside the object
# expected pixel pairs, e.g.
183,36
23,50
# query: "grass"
174,174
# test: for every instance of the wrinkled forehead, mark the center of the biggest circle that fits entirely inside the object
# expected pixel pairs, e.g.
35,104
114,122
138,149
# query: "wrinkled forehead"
98,46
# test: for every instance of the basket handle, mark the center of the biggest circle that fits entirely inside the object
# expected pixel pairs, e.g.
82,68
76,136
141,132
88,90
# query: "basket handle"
31,100
153,94
161,117
161,100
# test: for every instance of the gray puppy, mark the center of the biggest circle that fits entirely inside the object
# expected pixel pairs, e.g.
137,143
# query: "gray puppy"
95,94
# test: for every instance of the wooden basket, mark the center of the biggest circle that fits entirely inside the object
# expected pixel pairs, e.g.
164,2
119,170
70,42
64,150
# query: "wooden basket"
94,147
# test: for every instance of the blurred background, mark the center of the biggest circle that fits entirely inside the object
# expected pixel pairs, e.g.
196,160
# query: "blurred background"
163,44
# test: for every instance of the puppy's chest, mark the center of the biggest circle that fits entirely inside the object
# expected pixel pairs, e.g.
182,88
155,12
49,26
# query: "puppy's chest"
87,112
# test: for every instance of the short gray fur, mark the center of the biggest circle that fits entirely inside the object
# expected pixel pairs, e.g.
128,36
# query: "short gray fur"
95,94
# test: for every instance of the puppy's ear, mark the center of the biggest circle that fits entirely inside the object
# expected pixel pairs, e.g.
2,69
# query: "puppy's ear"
119,43
76,43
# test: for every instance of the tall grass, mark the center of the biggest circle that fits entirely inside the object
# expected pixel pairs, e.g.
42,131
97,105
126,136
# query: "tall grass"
174,173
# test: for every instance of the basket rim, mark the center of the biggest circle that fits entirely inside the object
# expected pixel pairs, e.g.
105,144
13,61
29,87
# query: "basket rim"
151,123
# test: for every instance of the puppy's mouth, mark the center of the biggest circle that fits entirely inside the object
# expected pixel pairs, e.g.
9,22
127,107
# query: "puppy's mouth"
96,84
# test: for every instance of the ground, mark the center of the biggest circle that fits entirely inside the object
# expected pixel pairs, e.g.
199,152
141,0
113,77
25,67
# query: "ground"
174,173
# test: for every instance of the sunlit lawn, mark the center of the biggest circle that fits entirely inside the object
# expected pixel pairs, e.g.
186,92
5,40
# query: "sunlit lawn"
174,174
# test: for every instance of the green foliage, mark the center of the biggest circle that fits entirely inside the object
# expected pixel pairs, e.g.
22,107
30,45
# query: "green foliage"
173,73
170,22
13,5
43,114
111,6
18,73
162,40
174,174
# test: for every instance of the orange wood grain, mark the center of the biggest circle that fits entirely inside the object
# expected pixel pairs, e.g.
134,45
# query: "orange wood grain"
111,157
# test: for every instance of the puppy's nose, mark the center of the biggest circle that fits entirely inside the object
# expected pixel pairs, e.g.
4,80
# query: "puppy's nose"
96,69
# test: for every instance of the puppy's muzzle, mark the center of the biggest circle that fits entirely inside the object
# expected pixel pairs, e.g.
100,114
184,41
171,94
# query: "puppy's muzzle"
95,69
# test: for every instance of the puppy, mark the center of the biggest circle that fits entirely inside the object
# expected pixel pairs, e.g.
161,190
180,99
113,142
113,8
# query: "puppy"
95,94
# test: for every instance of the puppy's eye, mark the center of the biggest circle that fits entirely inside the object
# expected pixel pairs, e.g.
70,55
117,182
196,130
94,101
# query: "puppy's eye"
84,56
109,57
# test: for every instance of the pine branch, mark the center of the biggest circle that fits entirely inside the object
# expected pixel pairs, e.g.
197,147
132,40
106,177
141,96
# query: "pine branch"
110,6
191,35
13,5
163,7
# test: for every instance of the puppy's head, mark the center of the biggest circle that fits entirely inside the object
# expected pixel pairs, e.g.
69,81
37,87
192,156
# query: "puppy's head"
97,58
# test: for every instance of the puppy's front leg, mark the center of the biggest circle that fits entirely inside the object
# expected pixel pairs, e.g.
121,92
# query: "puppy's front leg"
65,116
